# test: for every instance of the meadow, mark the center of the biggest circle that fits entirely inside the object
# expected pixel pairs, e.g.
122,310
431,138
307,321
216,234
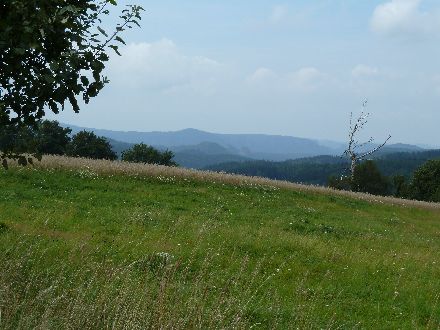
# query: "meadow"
96,244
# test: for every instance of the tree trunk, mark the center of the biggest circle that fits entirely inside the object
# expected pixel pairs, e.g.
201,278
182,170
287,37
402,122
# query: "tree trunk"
353,167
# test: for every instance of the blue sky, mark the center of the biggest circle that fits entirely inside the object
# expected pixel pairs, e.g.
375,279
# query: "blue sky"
294,68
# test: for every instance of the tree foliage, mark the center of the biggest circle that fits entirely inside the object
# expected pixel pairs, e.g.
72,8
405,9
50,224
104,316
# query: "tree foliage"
368,179
142,153
53,52
18,141
51,138
87,145
426,182
401,188
317,170
48,137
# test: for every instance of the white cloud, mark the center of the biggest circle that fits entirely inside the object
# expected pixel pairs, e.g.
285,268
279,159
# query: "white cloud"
306,79
404,17
160,65
362,70
261,75
279,14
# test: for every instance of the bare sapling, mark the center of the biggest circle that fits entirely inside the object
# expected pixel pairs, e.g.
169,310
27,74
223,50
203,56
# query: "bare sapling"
355,150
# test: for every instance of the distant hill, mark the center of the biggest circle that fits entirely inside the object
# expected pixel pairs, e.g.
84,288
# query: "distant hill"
119,146
257,146
402,147
204,154
242,146
195,156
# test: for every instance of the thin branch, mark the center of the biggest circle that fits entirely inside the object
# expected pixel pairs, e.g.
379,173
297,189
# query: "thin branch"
375,149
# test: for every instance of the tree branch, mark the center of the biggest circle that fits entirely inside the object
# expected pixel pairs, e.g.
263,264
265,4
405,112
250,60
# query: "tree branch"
375,149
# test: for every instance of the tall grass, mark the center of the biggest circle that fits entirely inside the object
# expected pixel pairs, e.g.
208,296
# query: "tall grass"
91,166
158,291
96,245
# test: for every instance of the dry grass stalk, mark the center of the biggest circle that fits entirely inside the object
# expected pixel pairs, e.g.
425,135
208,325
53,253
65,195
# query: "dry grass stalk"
106,167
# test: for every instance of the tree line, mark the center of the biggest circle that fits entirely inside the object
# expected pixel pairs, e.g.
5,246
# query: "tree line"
423,185
49,137
413,175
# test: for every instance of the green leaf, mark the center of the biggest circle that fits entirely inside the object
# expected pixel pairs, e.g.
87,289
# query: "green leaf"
49,78
115,48
102,31
19,51
118,38
84,80
71,9
54,65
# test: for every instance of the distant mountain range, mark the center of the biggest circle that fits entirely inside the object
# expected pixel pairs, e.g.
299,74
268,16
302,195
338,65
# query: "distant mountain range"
198,149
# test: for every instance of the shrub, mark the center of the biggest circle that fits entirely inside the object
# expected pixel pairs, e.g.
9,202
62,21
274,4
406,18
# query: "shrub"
142,153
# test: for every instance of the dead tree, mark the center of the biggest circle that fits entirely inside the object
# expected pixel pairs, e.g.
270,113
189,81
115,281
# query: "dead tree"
354,150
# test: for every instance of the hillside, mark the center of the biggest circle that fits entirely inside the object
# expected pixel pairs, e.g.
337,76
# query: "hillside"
96,244
317,170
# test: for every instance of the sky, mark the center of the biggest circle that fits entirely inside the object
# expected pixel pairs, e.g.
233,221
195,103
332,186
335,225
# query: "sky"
295,68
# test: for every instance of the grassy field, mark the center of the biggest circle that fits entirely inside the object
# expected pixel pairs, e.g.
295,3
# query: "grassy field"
99,245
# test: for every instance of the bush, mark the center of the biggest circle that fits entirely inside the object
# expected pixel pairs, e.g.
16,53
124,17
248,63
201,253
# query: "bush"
142,153
367,179
88,145
425,185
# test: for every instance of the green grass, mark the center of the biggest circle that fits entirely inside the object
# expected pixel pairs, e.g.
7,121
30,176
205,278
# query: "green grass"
86,250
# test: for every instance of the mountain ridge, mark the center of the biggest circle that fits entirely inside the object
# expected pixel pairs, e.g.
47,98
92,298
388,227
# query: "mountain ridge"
250,146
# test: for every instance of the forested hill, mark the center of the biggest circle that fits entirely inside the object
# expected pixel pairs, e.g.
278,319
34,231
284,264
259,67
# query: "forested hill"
317,170
236,147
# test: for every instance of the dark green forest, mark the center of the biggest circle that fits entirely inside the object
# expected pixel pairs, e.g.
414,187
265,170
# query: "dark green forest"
317,170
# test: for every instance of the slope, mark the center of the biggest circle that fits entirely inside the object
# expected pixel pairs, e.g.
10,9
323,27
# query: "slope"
91,244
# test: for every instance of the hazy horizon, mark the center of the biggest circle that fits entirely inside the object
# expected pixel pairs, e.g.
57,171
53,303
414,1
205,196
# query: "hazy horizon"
324,142
280,68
